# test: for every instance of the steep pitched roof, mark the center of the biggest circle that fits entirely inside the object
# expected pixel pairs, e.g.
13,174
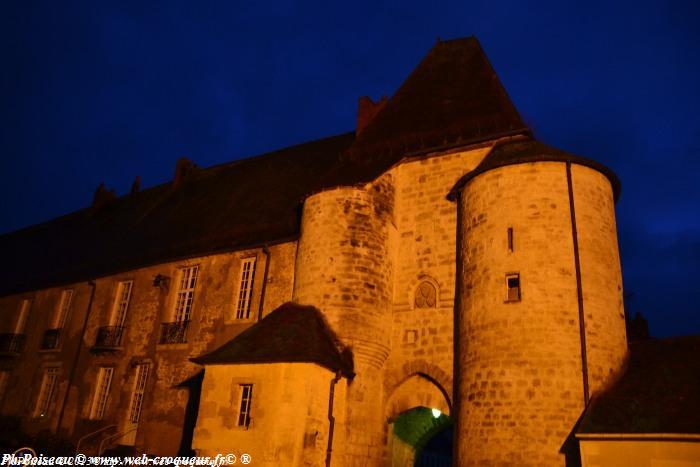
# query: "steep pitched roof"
291,333
523,149
452,98
658,393
235,205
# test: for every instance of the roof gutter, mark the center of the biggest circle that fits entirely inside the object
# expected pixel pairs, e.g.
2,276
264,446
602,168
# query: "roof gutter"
331,418
264,284
73,369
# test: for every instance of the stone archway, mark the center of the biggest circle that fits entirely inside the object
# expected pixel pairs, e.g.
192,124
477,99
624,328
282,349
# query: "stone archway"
417,409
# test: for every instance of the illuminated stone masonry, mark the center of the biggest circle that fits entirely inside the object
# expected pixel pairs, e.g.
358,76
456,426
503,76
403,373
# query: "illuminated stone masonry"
343,302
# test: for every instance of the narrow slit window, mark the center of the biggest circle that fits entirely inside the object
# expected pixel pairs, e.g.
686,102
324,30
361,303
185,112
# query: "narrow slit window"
48,385
245,405
245,288
510,239
513,287
99,401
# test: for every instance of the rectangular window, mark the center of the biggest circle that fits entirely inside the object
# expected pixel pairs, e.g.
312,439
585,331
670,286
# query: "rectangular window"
48,385
99,401
138,392
63,309
21,323
185,293
121,303
245,288
246,402
513,287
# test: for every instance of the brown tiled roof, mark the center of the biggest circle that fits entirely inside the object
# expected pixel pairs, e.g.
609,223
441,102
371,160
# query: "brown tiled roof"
658,393
291,333
230,206
452,98
523,149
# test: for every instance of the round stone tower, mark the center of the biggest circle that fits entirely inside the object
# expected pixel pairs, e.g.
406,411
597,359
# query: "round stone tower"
344,268
540,322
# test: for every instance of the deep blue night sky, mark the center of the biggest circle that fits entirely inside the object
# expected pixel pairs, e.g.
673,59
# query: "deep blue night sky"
105,91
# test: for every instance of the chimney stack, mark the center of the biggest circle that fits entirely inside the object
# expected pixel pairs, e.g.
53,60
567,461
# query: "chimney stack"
136,186
366,111
102,197
183,168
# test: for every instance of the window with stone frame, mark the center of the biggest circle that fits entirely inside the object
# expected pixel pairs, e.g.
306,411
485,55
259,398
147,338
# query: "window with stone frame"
46,392
185,293
246,402
121,303
63,309
245,288
425,295
513,287
99,400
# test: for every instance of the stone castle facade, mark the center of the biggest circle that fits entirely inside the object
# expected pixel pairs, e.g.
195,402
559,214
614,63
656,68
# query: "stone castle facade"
295,305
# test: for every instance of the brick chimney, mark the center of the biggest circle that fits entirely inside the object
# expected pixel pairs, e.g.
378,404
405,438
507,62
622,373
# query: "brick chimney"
136,186
366,110
102,197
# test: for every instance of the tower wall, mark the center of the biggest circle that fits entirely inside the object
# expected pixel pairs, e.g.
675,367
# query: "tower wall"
344,268
601,276
520,381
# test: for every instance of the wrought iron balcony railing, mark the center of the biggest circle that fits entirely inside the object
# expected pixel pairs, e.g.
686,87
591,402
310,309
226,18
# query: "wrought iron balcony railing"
51,339
108,337
173,333
11,344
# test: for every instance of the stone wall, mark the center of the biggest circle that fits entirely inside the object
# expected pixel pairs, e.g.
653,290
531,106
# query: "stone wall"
601,276
289,422
344,267
212,323
426,222
521,380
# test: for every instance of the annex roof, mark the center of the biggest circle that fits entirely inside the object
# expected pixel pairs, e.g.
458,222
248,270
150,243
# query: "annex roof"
292,333
658,393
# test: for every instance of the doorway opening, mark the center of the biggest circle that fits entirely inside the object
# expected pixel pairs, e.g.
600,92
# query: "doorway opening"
421,437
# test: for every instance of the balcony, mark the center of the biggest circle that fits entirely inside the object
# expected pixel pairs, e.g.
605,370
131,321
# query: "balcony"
50,340
173,333
11,344
108,338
